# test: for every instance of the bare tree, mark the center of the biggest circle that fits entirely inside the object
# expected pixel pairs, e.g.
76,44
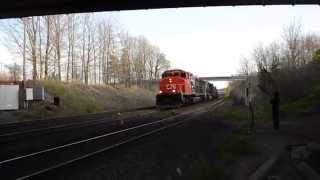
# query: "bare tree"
71,26
15,71
24,51
32,31
87,46
24,41
82,47
126,59
57,37
48,45
161,65
292,36
40,47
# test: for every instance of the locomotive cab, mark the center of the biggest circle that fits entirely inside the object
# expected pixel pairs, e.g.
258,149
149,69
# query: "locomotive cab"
178,87
174,86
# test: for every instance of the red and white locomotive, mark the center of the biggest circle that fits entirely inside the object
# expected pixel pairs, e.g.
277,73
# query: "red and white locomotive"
178,87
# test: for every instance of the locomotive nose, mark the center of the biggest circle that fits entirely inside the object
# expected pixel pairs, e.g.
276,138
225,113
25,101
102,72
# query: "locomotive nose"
171,86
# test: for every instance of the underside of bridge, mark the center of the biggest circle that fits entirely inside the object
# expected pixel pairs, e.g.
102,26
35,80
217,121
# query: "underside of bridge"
21,8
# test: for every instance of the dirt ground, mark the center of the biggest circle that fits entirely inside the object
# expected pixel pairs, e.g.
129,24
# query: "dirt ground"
304,130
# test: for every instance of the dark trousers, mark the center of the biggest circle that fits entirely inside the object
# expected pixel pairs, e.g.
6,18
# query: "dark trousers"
275,120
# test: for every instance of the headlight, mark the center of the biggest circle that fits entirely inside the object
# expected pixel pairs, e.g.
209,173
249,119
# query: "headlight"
160,92
174,90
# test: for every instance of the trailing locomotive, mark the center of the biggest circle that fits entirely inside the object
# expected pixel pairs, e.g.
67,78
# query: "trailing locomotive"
178,87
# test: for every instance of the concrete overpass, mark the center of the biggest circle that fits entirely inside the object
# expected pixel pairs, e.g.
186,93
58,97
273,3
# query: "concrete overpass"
225,78
21,8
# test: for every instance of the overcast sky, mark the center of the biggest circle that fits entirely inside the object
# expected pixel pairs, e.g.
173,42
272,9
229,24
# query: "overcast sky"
211,41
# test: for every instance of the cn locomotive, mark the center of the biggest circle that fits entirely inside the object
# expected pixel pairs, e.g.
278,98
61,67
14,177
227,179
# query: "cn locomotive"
178,87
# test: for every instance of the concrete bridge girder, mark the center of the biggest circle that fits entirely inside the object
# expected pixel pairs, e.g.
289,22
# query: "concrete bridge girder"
22,8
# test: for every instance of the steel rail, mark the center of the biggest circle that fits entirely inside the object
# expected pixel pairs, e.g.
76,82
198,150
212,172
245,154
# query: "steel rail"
70,125
79,142
168,119
98,151
66,125
79,115
216,105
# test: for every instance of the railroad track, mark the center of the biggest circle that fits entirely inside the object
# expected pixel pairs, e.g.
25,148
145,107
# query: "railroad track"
38,163
13,129
32,140
26,142
60,127
9,132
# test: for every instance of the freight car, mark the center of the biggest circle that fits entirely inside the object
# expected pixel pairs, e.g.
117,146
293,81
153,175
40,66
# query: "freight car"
178,87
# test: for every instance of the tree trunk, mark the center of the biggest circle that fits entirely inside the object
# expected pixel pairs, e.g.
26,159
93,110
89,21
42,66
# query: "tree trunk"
69,49
24,52
34,49
40,49
47,49
59,60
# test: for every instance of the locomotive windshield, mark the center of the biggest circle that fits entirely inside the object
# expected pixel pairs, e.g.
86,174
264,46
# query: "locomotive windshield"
166,74
174,74
177,73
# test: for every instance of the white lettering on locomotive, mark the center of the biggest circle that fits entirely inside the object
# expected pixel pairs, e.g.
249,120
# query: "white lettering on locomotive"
171,86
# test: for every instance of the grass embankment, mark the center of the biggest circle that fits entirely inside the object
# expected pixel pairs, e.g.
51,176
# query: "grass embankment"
240,146
288,110
77,98
305,106
237,145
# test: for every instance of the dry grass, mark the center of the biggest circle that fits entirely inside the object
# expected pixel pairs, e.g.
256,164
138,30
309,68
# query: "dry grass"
236,146
78,98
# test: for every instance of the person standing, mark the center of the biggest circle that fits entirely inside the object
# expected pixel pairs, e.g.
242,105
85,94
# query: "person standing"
275,101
